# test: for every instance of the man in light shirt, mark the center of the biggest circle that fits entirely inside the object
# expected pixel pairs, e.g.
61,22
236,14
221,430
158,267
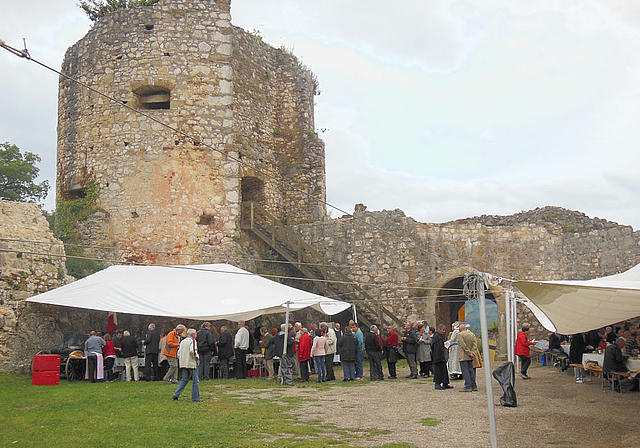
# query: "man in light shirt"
241,345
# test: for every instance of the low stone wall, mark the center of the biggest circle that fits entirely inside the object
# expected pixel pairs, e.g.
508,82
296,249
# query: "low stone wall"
31,262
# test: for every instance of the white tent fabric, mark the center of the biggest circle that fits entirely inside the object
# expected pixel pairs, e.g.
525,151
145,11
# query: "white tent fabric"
204,292
577,306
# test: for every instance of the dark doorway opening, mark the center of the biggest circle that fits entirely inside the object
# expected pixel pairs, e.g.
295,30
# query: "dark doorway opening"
452,305
252,190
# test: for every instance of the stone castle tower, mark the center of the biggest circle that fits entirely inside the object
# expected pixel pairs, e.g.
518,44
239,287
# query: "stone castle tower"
183,63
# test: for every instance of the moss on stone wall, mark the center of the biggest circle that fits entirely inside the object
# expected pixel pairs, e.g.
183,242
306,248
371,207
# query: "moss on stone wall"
68,214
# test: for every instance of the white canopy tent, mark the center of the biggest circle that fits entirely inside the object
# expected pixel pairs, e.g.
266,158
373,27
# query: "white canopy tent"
570,307
203,292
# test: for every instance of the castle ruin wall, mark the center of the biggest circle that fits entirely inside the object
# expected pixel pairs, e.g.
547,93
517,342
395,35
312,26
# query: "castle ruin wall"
182,63
405,263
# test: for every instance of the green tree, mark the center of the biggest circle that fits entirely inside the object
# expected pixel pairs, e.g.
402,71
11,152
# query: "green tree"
18,173
96,9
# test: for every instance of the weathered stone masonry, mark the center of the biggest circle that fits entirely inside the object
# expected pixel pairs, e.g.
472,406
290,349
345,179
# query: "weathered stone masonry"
26,268
549,243
183,63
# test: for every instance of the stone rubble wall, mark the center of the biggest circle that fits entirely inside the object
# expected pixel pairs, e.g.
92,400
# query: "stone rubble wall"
31,262
407,272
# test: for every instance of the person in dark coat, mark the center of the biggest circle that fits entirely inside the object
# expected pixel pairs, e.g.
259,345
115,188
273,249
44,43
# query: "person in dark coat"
592,339
374,353
285,373
555,346
614,359
439,360
410,348
225,352
151,350
130,354
117,343
609,335
348,352
206,349
577,348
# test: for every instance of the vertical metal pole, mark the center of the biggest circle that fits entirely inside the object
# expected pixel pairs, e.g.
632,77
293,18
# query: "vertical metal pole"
286,330
512,327
514,330
487,359
507,312
355,315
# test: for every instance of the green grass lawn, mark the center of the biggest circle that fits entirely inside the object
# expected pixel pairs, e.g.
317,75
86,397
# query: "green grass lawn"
231,414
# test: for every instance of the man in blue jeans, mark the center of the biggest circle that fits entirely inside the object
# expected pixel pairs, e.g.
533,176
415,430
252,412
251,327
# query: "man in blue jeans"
359,355
188,358
467,350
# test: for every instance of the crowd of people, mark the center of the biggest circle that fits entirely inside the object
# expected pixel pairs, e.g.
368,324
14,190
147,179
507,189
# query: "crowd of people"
617,343
427,351
181,355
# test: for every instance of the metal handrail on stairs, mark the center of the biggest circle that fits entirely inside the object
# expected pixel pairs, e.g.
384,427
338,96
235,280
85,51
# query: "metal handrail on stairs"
308,261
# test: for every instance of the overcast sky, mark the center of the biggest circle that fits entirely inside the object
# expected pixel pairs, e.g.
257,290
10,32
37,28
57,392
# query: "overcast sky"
444,109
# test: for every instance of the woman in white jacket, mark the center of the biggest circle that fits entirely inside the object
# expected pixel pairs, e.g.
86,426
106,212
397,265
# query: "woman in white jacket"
188,359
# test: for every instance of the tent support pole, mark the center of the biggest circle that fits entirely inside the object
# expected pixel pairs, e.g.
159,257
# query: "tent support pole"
507,307
286,329
486,358
507,313
514,331
355,315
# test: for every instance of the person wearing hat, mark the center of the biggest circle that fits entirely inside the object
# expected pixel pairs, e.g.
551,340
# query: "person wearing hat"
453,365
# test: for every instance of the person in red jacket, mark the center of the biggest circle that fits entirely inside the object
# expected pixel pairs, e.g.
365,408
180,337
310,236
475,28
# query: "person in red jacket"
391,350
522,350
109,353
304,353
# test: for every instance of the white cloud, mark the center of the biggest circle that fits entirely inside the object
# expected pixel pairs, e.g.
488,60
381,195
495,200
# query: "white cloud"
445,109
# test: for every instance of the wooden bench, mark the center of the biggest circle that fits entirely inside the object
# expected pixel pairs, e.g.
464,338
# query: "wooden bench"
616,377
551,358
536,354
596,371
578,371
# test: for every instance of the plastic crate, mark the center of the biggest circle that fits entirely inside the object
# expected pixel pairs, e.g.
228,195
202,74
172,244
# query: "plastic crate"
46,363
253,373
49,378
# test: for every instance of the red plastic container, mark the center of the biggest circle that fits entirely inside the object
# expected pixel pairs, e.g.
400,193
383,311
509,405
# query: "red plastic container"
46,363
253,373
49,378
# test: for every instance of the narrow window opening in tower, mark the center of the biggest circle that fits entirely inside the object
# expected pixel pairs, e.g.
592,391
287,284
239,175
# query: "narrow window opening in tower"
206,220
252,190
75,193
153,97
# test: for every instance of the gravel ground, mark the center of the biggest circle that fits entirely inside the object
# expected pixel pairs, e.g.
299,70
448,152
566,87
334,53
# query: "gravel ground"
553,411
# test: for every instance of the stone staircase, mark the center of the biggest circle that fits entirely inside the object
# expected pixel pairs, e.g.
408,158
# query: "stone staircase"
332,282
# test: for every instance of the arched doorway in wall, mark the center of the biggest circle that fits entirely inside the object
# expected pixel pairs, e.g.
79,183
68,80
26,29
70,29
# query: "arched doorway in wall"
452,305
252,190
